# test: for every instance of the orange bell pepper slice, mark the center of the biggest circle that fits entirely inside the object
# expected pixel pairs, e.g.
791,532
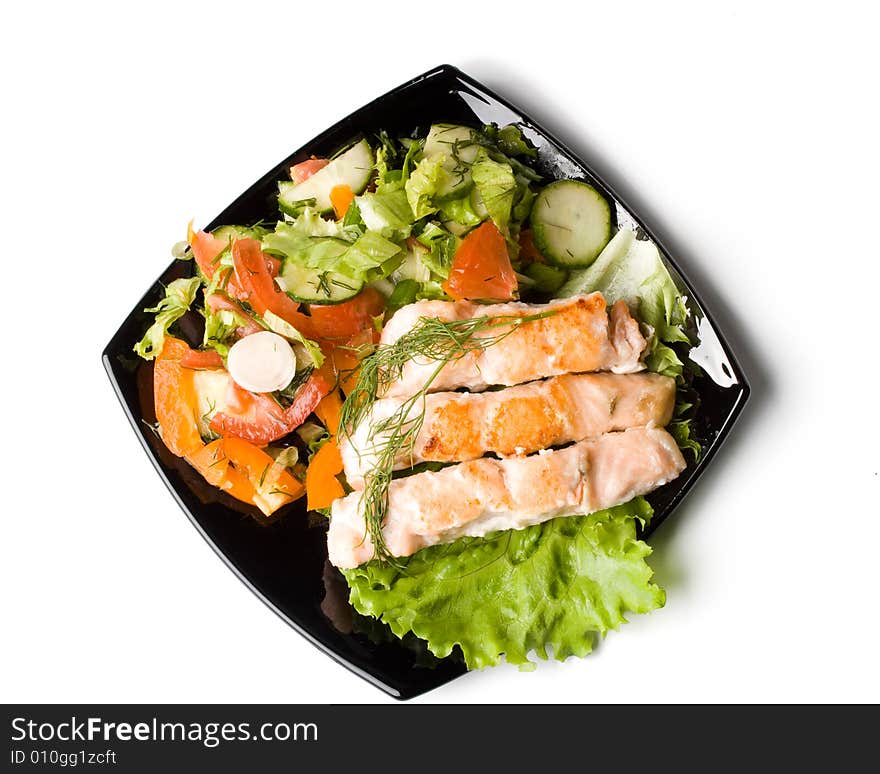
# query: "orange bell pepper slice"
175,399
341,197
213,463
273,485
246,473
322,486
329,411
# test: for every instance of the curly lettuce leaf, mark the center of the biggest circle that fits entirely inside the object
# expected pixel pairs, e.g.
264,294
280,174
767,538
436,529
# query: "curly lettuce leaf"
632,269
179,296
559,585
311,223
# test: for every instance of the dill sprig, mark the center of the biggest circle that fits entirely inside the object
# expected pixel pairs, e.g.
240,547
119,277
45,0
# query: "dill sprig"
430,340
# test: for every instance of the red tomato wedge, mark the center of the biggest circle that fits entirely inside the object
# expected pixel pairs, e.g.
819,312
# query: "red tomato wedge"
339,321
205,248
259,419
305,169
481,267
202,359
261,292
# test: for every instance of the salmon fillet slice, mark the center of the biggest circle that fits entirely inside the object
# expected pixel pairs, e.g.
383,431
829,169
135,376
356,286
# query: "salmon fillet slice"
485,495
516,421
579,337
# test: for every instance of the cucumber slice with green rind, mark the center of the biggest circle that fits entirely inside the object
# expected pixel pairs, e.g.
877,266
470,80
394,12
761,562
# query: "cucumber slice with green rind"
353,168
314,286
571,223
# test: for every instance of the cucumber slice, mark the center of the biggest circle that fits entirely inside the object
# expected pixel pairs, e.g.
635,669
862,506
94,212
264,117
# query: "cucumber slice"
571,223
353,168
313,286
456,146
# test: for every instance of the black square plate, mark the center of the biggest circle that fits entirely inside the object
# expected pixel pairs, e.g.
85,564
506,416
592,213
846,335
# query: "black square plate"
284,562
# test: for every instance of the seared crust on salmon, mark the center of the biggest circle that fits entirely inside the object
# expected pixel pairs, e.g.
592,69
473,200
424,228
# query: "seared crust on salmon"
461,426
577,338
484,495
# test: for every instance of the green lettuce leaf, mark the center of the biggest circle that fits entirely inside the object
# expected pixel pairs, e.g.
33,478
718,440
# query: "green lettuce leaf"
556,585
662,359
459,214
510,139
422,185
497,187
369,257
387,213
179,295
219,327
311,223
680,430
632,269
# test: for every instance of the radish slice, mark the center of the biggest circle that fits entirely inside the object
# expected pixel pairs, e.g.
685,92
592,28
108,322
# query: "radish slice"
262,362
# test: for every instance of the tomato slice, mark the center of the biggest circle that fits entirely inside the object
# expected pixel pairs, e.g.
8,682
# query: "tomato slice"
305,169
259,419
202,359
481,266
205,248
340,321
175,399
259,287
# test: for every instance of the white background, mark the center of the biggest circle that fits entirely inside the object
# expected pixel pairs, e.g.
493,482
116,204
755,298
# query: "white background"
747,137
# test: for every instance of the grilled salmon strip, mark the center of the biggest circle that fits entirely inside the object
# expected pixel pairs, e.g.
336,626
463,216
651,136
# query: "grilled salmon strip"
520,420
578,337
485,495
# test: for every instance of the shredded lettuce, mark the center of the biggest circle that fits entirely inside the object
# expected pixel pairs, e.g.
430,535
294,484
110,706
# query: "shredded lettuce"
497,187
369,257
219,327
422,185
559,585
509,140
388,213
310,223
179,296
442,245
460,214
